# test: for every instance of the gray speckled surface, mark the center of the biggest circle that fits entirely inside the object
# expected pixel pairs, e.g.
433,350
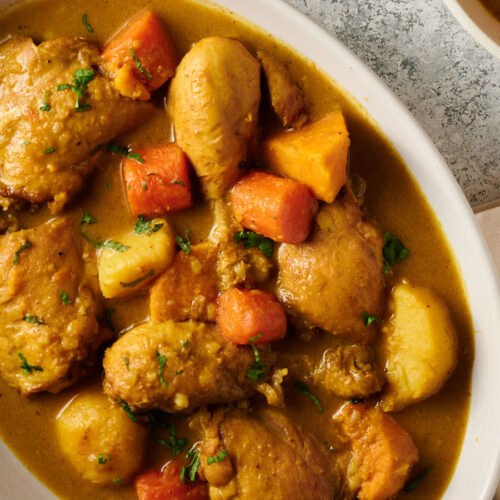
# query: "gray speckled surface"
449,82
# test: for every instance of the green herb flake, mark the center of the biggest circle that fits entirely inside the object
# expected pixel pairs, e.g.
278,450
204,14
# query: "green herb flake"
50,150
144,226
413,483
191,465
185,343
108,185
129,412
184,244
125,360
65,298
138,280
86,24
179,372
256,370
217,458
88,218
24,246
109,320
368,319
117,480
103,460
162,360
394,251
355,401
25,143
303,389
178,182
45,106
123,151
82,77
251,239
139,65
173,444
34,319
109,244
26,367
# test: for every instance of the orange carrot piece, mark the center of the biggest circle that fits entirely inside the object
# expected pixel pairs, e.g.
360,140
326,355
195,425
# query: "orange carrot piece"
279,208
315,155
155,53
246,314
383,452
161,184
167,485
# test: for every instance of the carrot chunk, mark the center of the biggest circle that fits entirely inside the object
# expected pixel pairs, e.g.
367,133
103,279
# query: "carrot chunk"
315,155
161,184
167,485
245,314
143,47
279,208
383,452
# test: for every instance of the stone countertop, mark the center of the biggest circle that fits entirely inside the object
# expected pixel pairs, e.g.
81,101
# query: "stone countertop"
449,82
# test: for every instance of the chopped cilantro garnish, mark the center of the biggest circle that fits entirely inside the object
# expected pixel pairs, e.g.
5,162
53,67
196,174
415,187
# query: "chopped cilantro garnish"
251,239
117,480
65,298
256,370
394,251
129,411
121,150
173,444
26,367
138,280
25,143
144,226
20,249
217,458
110,244
162,360
184,244
178,182
86,24
179,372
368,319
108,185
88,218
82,77
34,319
185,343
139,65
191,465
413,483
103,460
45,106
125,360
303,389
50,150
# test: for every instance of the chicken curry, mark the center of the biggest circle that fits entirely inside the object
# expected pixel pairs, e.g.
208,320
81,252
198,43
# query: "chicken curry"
218,278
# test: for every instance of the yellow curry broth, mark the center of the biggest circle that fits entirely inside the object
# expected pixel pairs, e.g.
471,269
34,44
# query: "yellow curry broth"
392,198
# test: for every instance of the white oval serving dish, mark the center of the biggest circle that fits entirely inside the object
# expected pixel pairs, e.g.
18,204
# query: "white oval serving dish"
477,471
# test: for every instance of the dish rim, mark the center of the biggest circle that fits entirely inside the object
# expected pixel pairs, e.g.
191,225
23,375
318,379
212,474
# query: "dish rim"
478,467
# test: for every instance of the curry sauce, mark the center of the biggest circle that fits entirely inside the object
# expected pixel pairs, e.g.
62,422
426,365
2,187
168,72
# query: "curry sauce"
392,199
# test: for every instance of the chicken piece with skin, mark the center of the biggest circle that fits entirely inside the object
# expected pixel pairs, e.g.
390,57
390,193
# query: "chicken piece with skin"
286,98
267,456
337,274
45,141
48,327
177,367
214,102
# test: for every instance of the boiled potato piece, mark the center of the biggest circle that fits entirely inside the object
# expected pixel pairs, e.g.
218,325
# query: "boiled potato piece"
419,347
148,255
99,439
213,102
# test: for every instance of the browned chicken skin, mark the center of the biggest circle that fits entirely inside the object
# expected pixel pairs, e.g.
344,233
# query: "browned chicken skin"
268,456
337,274
200,367
47,337
44,153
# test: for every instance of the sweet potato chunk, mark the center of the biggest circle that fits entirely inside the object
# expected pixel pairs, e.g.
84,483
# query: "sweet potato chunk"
315,155
188,289
419,345
382,452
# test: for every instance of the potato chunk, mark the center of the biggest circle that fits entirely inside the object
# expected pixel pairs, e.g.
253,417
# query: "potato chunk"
149,254
99,439
214,101
419,345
